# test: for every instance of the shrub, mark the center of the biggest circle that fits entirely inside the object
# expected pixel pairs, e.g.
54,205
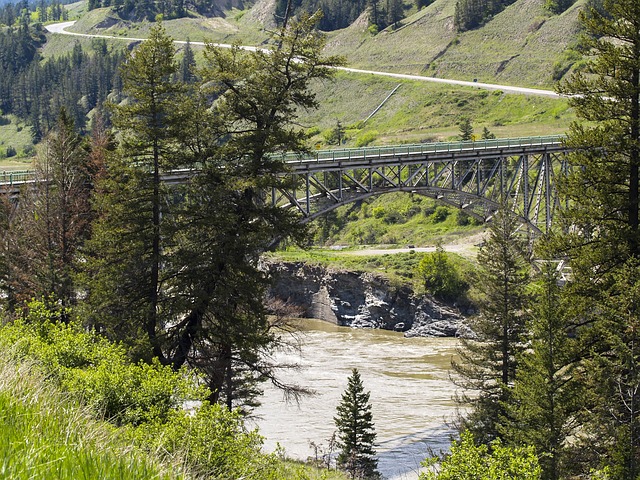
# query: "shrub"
378,212
147,400
440,214
366,138
99,372
11,151
214,441
440,276
466,461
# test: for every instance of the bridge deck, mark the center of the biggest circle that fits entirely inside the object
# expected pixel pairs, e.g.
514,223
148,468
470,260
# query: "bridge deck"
325,159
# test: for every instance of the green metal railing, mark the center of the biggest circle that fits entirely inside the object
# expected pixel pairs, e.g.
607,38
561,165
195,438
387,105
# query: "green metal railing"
19,177
420,148
16,177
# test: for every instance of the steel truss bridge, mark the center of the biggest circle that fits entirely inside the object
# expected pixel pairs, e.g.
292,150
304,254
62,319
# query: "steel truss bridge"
474,176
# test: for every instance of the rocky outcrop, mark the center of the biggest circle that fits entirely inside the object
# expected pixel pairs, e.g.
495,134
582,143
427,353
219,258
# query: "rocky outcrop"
362,300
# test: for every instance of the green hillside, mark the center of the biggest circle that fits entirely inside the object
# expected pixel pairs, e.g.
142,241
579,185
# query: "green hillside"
523,45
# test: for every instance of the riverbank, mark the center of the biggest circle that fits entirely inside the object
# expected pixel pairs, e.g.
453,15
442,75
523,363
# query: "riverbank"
363,300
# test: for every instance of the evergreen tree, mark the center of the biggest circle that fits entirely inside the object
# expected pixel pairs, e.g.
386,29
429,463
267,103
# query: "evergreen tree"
257,94
602,230
466,129
187,64
547,392
356,433
52,220
131,237
487,134
394,12
488,363
174,272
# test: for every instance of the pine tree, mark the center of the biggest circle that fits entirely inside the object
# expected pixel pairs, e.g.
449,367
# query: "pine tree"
487,134
128,248
488,363
547,395
187,64
257,95
602,230
52,221
356,433
466,129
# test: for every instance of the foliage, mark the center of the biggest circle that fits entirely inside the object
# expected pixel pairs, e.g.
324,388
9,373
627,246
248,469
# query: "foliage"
167,273
466,461
214,441
470,14
356,434
51,221
79,81
335,15
440,276
558,6
44,434
602,193
488,363
146,399
96,371
547,391
466,129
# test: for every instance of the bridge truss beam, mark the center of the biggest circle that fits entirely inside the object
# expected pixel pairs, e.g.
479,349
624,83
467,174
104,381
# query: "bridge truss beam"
475,182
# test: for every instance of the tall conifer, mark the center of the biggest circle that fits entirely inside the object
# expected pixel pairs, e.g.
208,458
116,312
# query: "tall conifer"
356,432
488,362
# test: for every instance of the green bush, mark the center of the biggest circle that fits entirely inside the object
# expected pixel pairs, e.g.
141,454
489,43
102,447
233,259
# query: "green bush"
214,441
440,276
147,400
440,214
466,461
91,368
378,212
366,138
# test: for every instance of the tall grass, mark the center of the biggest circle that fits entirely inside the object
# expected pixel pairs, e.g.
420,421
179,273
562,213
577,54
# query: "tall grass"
46,435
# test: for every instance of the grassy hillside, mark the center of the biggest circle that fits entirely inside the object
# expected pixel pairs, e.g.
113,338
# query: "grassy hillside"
523,45
427,112
16,144
44,434
394,219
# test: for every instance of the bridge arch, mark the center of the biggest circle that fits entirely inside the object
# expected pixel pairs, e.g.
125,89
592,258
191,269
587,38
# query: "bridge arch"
472,176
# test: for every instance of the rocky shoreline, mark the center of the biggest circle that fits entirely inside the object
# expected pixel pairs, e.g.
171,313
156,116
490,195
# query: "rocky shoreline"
362,300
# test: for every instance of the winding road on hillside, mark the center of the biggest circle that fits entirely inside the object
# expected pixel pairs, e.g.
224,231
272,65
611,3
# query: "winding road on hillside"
61,28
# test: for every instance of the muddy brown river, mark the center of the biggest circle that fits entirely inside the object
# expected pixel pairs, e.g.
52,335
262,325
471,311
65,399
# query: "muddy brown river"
411,394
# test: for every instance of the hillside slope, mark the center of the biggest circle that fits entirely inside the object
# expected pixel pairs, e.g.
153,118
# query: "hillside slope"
523,45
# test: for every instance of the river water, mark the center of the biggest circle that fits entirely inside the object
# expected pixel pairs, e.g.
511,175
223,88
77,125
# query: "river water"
411,394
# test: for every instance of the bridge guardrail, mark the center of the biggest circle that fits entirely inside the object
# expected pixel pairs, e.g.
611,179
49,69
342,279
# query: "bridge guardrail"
16,177
420,148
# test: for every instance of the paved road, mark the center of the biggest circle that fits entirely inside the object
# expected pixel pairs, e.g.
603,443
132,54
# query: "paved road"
60,28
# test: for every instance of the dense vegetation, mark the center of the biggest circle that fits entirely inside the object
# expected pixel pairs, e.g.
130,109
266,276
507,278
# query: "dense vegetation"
52,428
140,280
555,366
34,90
